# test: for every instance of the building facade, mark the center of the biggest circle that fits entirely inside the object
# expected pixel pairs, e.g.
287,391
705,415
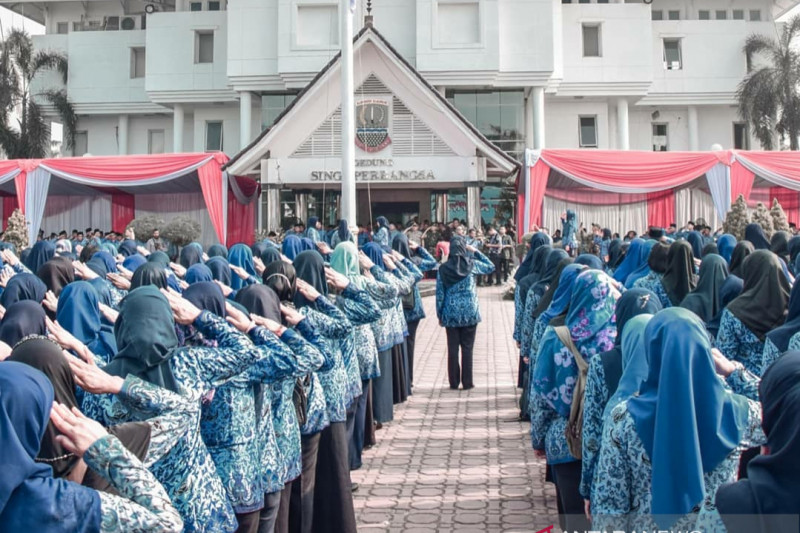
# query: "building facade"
197,75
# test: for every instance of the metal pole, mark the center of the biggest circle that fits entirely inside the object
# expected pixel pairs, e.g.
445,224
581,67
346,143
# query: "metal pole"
348,211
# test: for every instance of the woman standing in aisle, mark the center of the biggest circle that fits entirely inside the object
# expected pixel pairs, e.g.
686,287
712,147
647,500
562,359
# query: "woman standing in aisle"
457,307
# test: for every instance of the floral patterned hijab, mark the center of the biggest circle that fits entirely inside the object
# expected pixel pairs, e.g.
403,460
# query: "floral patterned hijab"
593,328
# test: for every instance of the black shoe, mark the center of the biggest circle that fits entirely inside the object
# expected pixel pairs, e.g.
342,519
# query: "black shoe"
470,387
453,388
354,487
378,426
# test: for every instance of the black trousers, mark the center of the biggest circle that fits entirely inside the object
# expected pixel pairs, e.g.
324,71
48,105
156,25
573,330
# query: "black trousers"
359,427
567,478
301,505
410,342
463,339
282,523
269,514
495,275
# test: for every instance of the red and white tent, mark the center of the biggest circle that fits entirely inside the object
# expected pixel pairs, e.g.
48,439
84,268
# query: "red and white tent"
35,184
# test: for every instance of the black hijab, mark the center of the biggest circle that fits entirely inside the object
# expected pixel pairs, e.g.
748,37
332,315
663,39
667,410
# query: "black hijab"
704,301
762,305
772,487
658,258
550,270
127,248
218,250
271,254
781,336
459,263
755,234
779,245
159,257
57,274
220,269
281,277
695,239
711,248
740,253
344,232
679,280
310,268
794,248
23,287
22,319
537,265
538,239
400,244
615,253
41,253
190,255
149,274
207,296
260,300
146,338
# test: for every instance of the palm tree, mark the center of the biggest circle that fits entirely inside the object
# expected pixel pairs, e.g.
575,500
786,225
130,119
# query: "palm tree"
19,65
769,96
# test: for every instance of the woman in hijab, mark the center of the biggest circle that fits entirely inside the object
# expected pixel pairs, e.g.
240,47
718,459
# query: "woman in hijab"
695,239
21,320
160,258
656,265
291,246
740,253
108,260
771,488
381,236
57,274
190,255
220,270
538,239
604,375
79,313
127,248
41,253
23,287
616,253
457,307
635,258
333,501
523,286
132,262
590,327
730,290
270,254
644,264
569,229
635,486
590,261
759,309
778,340
149,274
312,231
198,273
725,245
704,300
342,234
754,234
679,279
241,256
217,250
307,244
779,245
34,501
708,249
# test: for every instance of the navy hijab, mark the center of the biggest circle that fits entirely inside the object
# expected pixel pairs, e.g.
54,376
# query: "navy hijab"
270,254
344,232
23,287
191,255
197,273
739,254
217,250
375,253
133,262
537,267
754,233
761,306
695,239
240,255
149,274
41,253
127,248
538,239
206,296
551,268
160,258
79,313
311,269
220,270
22,319
704,300
780,336
30,498
107,259
291,246
590,261
459,263
635,258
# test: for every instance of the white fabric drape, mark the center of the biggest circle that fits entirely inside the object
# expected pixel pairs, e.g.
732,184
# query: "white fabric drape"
618,218
191,205
10,176
691,204
36,187
719,183
77,212
768,175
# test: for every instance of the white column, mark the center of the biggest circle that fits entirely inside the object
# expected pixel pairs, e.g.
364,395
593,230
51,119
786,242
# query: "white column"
623,137
179,6
122,135
348,210
245,118
528,118
474,206
694,138
538,117
177,128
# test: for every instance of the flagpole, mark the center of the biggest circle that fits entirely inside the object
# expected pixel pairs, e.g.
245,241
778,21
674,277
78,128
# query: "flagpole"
348,205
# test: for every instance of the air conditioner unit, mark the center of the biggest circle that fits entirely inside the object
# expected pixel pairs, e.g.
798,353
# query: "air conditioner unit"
128,23
151,8
111,23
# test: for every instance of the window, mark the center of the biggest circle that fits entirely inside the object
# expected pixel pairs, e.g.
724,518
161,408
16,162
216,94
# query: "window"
741,136
137,63
587,132
155,142
566,1
672,54
584,2
81,142
213,135
273,105
213,6
204,47
704,14
317,25
591,40
62,28
674,15
195,6
77,26
755,15
499,115
602,1
656,15
721,14
660,143
738,14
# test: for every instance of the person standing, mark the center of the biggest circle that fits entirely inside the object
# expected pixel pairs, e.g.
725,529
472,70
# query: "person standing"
494,251
156,243
457,307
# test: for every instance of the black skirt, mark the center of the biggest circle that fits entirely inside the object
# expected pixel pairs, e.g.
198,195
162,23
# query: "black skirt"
333,496
399,384
382,389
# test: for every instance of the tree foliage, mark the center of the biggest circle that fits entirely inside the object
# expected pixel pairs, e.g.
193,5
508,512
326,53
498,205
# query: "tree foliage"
762,217
17,230
779,220
737,219
143,226
181,231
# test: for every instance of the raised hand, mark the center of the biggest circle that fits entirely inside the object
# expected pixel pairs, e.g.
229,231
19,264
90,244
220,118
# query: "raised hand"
239,271
364,261
183,310
292,315
78,432
323,247
92,378
50,301
110,314
307,290
226,290
5,277
179,270
238,319
83,271
8,257
119,281
259,264
64,338
337,279
270,324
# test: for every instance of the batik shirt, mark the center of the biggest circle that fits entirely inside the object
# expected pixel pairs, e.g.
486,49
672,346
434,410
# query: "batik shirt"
409,279
738,343
652,282
457,306
187,472
384,295
361,310
143,504
519,312
621,490
381,237
332,326
772,353
594,403
389,328
539,328
427,264
529,322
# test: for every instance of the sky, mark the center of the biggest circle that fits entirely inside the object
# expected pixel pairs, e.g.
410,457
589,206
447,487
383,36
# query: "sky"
9,20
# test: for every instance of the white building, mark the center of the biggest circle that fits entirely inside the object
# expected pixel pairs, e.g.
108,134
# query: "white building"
195,75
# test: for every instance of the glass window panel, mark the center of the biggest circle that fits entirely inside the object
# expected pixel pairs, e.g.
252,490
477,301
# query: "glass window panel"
675,15
657,15
738,14
672,54
704,14
214,136
755,15
205,47
721,14
591,40
588,131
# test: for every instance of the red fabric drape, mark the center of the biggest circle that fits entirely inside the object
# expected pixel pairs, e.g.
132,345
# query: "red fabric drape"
537,185
123,210
741,181
129,168
789,200
241,217
661,208
520,213
786,164
9,204
210,177
8,165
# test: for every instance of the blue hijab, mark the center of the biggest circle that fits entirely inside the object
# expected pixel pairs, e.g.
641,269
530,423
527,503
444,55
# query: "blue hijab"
781,336
344,232
634,259
291,246
198,273
79,313
191,255
634,361
695,239
132,262
30,498
375,254
220,270
107,259
217,250
683,397
103,290
538,239
563,293
206,296
644,268
307,244
23,286
725,245
22,319
240,255
41,253
590,260
127,248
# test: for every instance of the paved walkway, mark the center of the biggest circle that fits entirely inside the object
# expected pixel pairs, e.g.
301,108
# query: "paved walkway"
451,460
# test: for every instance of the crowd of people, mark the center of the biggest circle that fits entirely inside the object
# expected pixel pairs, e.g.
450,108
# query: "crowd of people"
660,376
